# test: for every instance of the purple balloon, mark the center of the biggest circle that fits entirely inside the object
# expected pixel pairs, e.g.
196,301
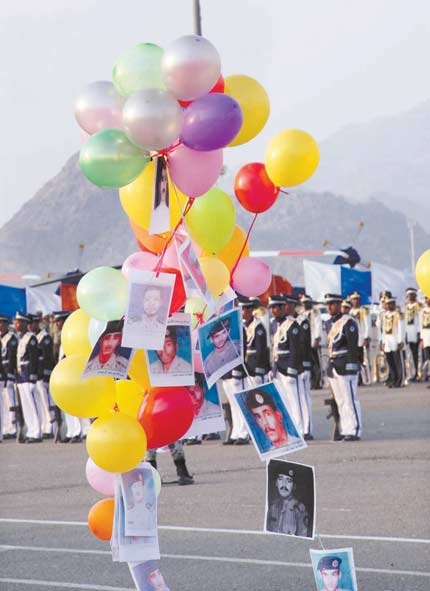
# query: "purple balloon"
211,122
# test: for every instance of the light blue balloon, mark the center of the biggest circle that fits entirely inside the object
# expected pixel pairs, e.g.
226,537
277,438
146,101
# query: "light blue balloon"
102,293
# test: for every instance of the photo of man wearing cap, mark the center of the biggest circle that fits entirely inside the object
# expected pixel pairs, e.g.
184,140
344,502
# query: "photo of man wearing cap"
173,361
109,358
334,569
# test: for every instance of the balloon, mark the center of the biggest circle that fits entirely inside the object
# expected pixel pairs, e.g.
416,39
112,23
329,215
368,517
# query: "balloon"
157,480
170,257
98,107
251,277
100,480
211,122
211,220
292,157
178,295
152,118
198,310
422,273
100,519
91,397
74,334
137,199
253,188
144,261
254,103
217,87
154,243
138,68
95,329
166,415
129,396
183,164
102,293
216,274
197,362
191,66
116,442
138,369
109,159
230,253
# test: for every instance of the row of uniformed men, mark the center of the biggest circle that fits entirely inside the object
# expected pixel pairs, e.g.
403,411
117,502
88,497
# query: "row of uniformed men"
27,411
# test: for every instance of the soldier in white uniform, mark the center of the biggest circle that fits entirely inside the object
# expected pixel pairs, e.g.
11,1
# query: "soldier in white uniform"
362,317
168,361
304,377
425,339
393,339
412,327
257,356
9,345
317,338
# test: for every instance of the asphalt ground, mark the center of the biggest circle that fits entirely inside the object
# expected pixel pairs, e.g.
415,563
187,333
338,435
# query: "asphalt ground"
372,496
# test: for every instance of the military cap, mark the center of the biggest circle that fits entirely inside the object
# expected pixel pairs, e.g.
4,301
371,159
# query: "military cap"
4,318
289,298
276,300
219,326
389,300
22,316
252,302
61,315
329,563
346,304
35,317
331,298
171,333
285,472
306,298
411,290
256,398
385,294
355,295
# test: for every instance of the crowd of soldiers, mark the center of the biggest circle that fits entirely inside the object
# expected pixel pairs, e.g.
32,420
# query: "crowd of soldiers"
289,342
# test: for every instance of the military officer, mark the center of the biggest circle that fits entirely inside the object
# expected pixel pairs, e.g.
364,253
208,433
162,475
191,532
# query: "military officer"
276,305
27,373
286,514
177,453
9,345
317,337
304,377
362,317
224,350
329,571
425,339
412,325
393,342
168,361
257,357
343,367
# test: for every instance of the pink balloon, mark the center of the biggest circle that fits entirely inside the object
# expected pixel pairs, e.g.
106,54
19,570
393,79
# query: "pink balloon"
197,360
170,258
100,480
252,277
144,261
194,172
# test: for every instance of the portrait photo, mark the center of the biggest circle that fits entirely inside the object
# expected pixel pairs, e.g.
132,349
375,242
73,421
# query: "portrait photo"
109,357
270,425
208,414
140,501
147,309
290,499
334,570
221,345
194,280
147,576
160,215
172,364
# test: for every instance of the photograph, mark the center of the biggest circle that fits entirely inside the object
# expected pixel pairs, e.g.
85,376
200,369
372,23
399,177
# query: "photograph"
147,576
270,425
147,309
172,364
140,501
160,215
109,357
221,345
194,281
208,416
334,570
290,499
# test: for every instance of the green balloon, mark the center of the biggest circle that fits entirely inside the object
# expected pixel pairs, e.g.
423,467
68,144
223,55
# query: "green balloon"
102,293
211,220
109,159
139,68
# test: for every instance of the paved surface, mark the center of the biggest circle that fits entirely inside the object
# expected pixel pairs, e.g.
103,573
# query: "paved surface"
372,496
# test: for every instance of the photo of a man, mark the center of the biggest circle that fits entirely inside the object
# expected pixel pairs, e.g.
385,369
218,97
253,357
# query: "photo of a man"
290,504
140,501
108,357
268,417
160,215
207,408
334,570
147,576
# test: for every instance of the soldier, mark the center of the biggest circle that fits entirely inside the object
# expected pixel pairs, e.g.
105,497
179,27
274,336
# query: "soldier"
425,339
178,456
276,305
44,369
329,570
393,342
168,360
286,360
317,334
286,514
343,368
304,377
257,356
9,344
27,373
412,326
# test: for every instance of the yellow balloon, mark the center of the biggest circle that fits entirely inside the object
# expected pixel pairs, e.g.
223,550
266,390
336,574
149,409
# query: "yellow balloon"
198,310
137,198
254,102
422,273
292,157
129,396
230,253
74,335
116,442
138,370
91,397
216,274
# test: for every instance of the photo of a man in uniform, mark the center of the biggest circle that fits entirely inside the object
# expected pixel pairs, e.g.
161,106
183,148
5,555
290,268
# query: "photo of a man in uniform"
172,364
168,359
147,576
334,570
108,356
267,416
290,499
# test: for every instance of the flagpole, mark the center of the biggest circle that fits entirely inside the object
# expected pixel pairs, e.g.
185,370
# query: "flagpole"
197,18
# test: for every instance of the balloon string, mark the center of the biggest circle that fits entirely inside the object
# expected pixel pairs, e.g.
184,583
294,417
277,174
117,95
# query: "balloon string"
244,246
284,192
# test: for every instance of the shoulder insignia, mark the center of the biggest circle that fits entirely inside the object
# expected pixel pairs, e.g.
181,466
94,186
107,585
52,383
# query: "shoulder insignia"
295,330
352,328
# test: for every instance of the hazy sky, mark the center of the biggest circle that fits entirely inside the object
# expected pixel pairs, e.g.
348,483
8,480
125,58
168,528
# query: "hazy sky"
324,64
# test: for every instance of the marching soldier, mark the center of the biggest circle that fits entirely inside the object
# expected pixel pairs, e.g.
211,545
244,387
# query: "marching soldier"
393,342
317,334
343,368
276,305
412,326
304,377
425,339
362,317
9,344
257,356
27,368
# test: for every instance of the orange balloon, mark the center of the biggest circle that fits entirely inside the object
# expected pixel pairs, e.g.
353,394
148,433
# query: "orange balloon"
152,242
100,519
230,253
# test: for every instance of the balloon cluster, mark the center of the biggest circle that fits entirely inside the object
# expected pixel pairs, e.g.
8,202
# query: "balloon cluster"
172,104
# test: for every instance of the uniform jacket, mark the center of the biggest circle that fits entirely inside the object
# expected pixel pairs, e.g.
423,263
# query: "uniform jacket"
343,345
288,516
392,330
305,342
45,356
178,366
412,321
27,358
286,347
257,349
9,346
425,326
362,317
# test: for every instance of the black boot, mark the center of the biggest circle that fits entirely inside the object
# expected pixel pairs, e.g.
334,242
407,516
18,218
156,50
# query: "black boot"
183,476
228,423
153,463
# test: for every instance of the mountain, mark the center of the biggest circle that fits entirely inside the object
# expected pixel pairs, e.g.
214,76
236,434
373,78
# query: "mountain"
386,159
44,236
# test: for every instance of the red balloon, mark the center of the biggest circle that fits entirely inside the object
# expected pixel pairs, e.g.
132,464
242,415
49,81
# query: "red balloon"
166,415
218,87
253,188
179,296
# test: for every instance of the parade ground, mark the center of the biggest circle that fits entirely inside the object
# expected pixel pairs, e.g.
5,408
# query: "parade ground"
372,496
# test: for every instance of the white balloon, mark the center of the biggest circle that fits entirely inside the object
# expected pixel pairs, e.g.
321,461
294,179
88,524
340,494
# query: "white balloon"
98,107
191,65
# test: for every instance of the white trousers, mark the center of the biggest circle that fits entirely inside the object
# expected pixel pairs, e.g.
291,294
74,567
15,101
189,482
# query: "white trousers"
29,410
231,386
345,393
76,427
304,386
289,390
42,400
7,417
